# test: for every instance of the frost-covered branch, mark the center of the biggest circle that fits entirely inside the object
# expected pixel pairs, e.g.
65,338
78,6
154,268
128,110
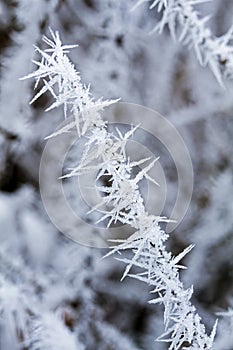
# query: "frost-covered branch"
106,153
159,269
188,27
64,83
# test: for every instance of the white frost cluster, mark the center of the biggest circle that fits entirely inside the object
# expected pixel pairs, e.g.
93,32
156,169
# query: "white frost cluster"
186,25
106,152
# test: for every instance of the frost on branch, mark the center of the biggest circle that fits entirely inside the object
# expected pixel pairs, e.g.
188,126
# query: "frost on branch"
159,269
106,153
185,24
64,83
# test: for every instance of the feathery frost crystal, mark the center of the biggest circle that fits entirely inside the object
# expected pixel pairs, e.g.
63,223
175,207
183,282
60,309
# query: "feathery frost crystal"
186,25
106,152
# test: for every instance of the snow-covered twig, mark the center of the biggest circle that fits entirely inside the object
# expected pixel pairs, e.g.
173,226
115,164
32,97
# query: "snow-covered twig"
106,153
188,27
